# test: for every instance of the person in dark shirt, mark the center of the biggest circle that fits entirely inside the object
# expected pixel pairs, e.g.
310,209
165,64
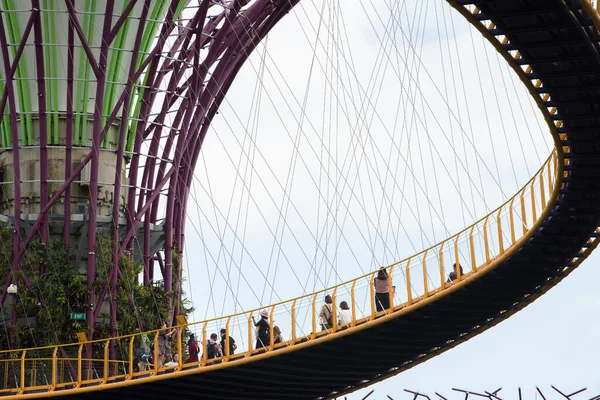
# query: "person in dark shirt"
452,275
264,330
232,345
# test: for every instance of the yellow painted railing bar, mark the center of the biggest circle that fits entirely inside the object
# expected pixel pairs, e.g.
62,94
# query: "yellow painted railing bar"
391,287
500,240
542,190
53,382
549,182
472,249
425,283
334,309
408,284
294,322
372,296
179,348
79,361
130,376
271,336
155,353
486,244
533,208
442,275
227,349
314,317
456,258
204,355
250,330
22,382
352,297
523,213
513,238
105,369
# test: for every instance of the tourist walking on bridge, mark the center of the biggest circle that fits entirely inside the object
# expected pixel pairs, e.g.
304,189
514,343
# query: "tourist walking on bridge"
263,338
382,290
326,314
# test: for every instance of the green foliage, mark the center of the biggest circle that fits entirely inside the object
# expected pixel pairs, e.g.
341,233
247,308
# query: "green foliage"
58,289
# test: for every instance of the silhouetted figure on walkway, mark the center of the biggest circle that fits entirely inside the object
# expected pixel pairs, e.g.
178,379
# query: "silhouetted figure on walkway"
452,275
193,350
263,338
345,315
232,345
213,349
382,290
326,314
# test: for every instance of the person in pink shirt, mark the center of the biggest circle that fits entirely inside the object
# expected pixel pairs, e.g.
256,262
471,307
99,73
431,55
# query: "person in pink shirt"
382,290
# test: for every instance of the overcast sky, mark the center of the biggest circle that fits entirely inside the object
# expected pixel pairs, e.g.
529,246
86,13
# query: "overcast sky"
355,137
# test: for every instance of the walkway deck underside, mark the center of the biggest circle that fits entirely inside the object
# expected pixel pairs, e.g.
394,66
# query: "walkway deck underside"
560,44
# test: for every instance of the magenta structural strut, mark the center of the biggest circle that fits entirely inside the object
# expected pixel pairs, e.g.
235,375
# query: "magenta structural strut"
184,73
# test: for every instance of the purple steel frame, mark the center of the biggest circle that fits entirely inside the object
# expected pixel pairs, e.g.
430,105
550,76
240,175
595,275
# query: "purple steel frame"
226,37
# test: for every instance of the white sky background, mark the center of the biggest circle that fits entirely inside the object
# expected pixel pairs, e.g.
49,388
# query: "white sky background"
369,169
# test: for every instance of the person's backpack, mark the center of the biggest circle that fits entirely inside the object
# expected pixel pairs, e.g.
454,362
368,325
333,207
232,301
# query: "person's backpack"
330,316
211,351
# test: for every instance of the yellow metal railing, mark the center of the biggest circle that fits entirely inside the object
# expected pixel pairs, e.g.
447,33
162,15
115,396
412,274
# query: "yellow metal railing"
421,276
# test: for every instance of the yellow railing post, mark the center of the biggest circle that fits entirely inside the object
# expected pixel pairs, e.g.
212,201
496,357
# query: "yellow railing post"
353,298
457,259
472,250
372,295
486,243
53,382
441,258
294,321
334,309
155,352
533,207
425,283
131,340
391,287
549,183
105,369
204,344
523,213
22,383
314,317
271,336
79,362
542,188
513,238
408,284
227,349
500,241
180,347
250,330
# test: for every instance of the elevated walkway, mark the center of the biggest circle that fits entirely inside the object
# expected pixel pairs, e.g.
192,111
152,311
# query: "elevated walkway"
527,246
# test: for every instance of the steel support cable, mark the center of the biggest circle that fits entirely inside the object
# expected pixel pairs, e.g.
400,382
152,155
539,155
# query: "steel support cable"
462,205
470,123
437,122
404,160
516,126
253,123
445,101
398,149
285,200
450,124
489,64
413,78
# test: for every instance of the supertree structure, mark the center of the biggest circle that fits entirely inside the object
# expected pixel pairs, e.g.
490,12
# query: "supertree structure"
105,107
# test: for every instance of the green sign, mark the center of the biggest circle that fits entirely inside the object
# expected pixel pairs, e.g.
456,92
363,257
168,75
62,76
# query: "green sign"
78,316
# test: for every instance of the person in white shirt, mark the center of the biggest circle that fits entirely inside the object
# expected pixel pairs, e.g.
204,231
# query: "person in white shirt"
345,315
